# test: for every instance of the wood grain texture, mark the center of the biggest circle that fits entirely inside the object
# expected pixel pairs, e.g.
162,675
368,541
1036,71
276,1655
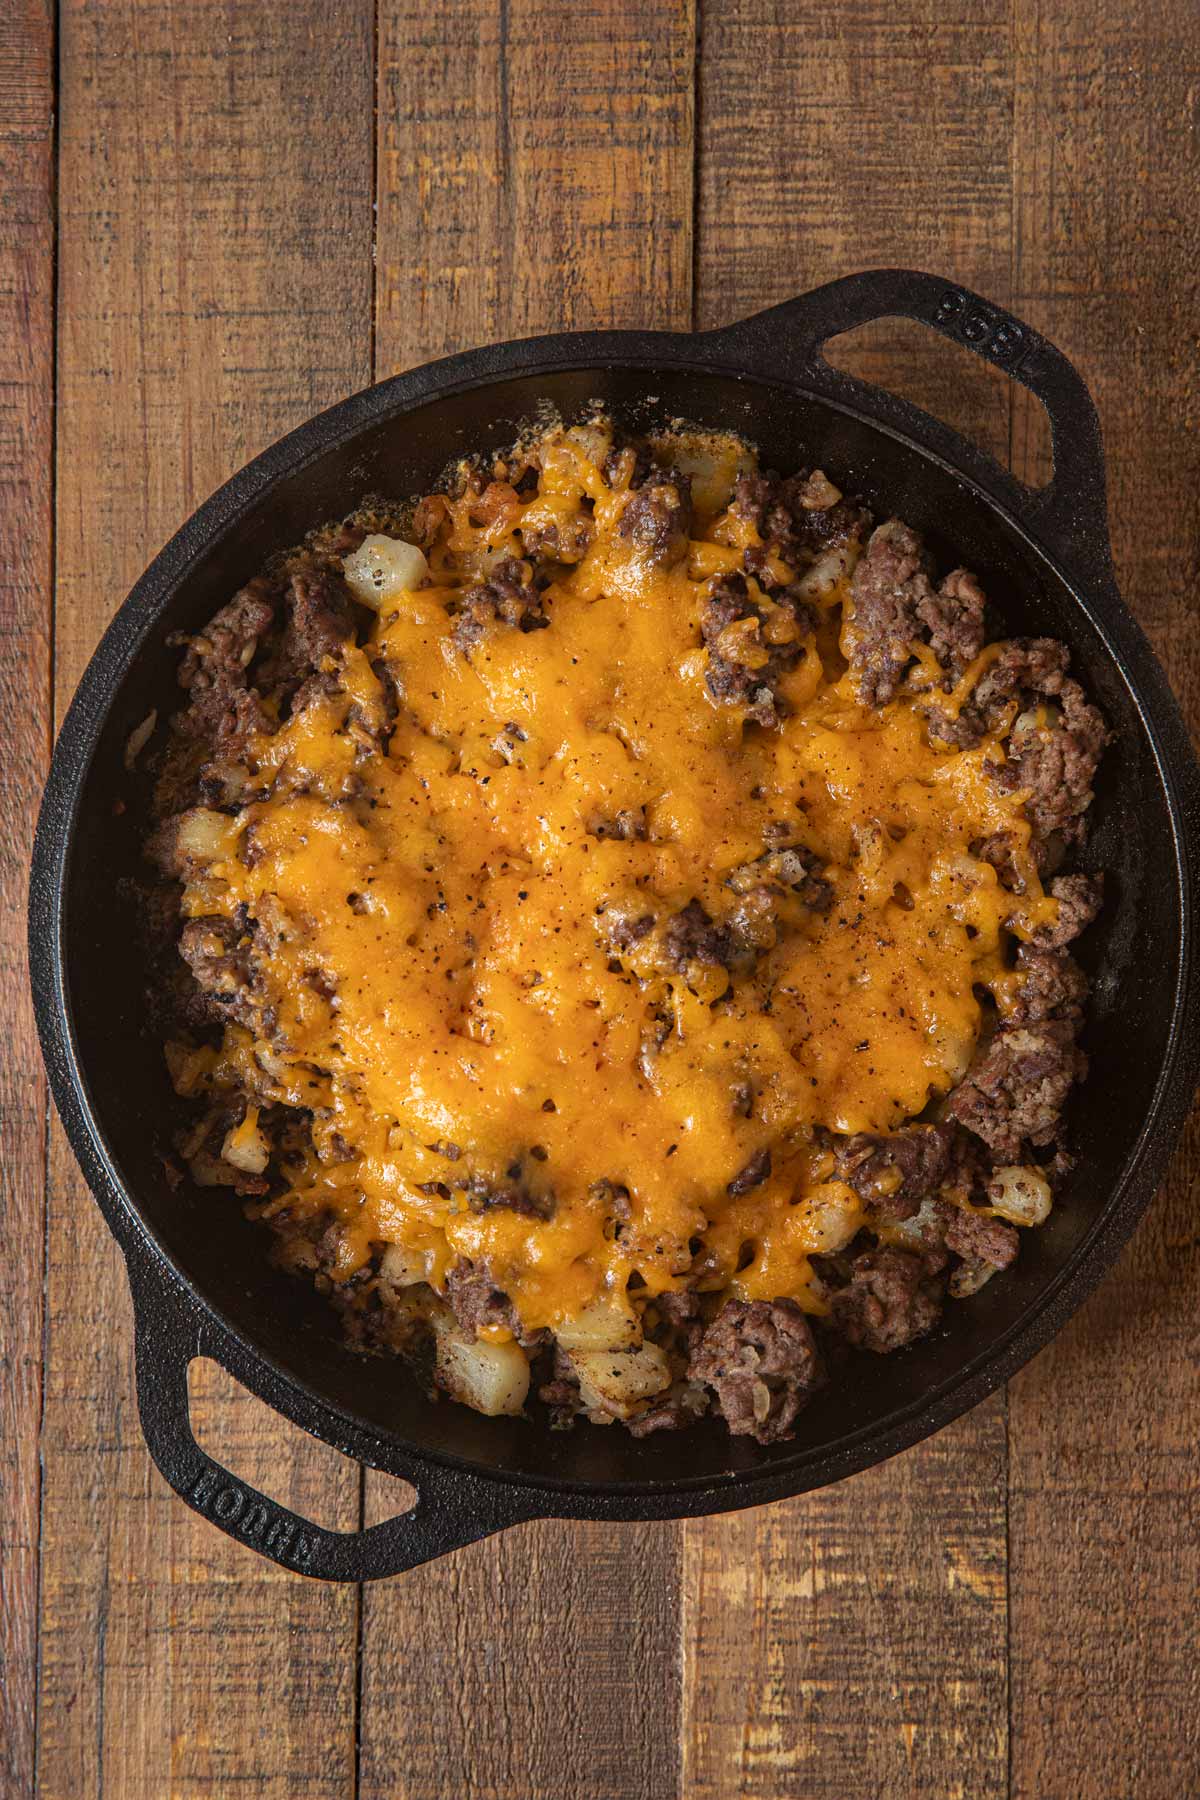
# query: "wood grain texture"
215,231
868,135
854,1642
1105,1475
26,556
535,171
534,174
541,1663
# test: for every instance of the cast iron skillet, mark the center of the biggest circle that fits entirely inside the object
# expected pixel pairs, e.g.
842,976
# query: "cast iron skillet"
198,1273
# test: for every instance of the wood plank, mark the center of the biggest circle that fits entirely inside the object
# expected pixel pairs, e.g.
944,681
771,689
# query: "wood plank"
1105,1495
215,232
26,564
534,174
853,1643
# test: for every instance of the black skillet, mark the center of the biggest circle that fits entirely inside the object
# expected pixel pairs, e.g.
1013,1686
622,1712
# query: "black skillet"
200,1281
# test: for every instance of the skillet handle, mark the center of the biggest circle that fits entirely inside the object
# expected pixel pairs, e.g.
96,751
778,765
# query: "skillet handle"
1069,514
452,1508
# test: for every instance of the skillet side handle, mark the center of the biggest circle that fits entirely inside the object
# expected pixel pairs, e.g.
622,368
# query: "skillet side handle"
1070,513
452,1509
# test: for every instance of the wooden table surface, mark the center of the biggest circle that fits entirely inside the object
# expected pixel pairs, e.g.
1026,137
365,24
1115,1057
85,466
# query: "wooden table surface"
216,217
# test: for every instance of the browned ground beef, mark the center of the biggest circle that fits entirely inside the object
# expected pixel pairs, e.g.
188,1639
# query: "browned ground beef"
1079,898
751,684
218,954
755,1172
979,1237
507,598
692,937
658,514
515,1193
762,1362
477,1302
893,1173
319,620
891,1297
895,603
1056,762
1053,985
797,516
1014,1094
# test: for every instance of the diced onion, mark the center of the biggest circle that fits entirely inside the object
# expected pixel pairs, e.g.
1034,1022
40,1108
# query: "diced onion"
246,1147
1021,1195
383,568
404,1267
970,1278
819,493
138,739
818,582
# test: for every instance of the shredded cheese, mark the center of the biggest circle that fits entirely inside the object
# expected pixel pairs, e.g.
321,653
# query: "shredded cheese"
441,972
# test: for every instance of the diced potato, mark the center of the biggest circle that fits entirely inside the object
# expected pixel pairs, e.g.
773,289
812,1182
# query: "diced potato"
493,1378
1021,1195
213,1171
246,1147
616,1383
407,1315
819,582
404,1267
188,1065
712,461
829,1218
594,437
603,1325
206,836
382,568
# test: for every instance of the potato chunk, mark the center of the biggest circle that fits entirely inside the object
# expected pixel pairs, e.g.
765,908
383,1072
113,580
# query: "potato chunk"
614,1384
493,1378
382,568
602,1325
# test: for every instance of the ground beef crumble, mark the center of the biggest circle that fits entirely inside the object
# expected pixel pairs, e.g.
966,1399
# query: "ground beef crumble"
890,1298
894,605
894,1173
506,598
761,1360
748,653
658,514
1014,1094
478,1303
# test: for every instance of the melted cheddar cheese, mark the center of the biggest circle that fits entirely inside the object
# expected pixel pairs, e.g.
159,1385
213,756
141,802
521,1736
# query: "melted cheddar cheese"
444,990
